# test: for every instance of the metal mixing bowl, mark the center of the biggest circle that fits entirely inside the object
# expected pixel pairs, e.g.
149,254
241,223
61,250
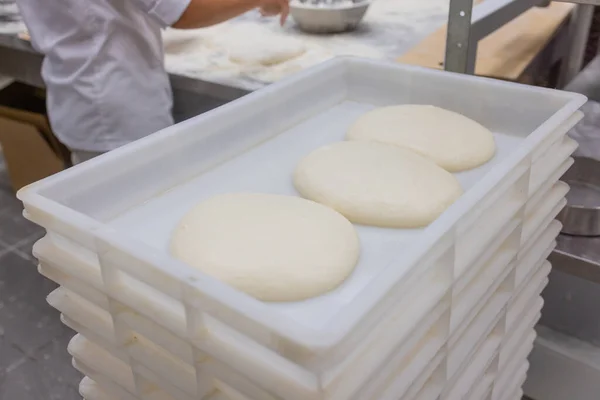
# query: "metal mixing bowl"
330,17
581,216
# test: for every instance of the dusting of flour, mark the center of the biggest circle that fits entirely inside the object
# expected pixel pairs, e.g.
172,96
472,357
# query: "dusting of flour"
390,28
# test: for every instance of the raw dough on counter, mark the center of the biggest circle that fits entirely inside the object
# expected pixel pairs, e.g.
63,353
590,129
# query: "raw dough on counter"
254,45
377,184
272,247
270,52
453,141
390,28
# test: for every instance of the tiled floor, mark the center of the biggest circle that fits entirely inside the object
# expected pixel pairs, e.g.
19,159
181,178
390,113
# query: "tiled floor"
34,363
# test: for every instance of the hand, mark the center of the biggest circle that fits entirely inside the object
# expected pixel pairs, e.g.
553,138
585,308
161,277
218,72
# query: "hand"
269,8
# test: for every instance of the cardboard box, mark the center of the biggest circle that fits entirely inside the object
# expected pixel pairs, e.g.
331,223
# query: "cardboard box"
30,149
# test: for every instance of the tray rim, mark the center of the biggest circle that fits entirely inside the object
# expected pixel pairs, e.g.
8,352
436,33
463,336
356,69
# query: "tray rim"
351,313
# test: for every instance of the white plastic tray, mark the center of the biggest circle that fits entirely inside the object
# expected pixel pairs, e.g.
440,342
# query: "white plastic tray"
543,215
486,353
100,362
146,187
483,387
462,350
162,362
513,376
97,323
434,386
550,171
85,350
513,389
468,303
175,371
113,375
102,330
79,314
548,195
172,375
551,231
431,382
84,290
90,390
539,277
484,374
118,211
476,294
489,319
78,301
87,353
511,343
523,331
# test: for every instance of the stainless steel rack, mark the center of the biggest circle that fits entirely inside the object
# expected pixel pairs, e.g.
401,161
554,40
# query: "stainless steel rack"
467,25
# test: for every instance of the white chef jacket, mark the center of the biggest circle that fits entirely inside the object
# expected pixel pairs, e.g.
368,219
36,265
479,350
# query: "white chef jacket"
103,67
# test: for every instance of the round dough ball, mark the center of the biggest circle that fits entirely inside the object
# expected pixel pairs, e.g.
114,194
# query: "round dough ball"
272,247
376,184
453,141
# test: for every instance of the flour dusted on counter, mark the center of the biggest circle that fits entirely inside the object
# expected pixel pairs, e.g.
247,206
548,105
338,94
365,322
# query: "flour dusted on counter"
266,53
390,28
251,53
251,44
233,51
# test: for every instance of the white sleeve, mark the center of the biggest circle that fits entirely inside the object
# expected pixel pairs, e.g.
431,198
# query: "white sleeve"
165,12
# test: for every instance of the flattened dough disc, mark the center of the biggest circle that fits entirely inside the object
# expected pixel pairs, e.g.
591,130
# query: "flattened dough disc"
376,184
272,247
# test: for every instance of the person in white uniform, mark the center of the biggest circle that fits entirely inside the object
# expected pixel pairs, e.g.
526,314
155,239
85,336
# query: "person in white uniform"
104,63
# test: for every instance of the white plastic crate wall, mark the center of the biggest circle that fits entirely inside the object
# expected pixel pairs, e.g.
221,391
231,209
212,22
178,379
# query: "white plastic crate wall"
225,337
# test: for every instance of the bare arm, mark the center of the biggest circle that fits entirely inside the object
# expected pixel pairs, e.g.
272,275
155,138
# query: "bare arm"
190,14
203,13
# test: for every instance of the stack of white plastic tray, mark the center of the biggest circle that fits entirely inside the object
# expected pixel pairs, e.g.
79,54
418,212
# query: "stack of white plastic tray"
442,312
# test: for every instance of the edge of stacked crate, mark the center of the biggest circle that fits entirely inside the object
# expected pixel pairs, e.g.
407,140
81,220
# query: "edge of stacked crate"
73,305
96,324
508,247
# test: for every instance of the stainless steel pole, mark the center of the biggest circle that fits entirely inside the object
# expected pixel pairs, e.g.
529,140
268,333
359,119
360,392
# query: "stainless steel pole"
579,29
460,49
